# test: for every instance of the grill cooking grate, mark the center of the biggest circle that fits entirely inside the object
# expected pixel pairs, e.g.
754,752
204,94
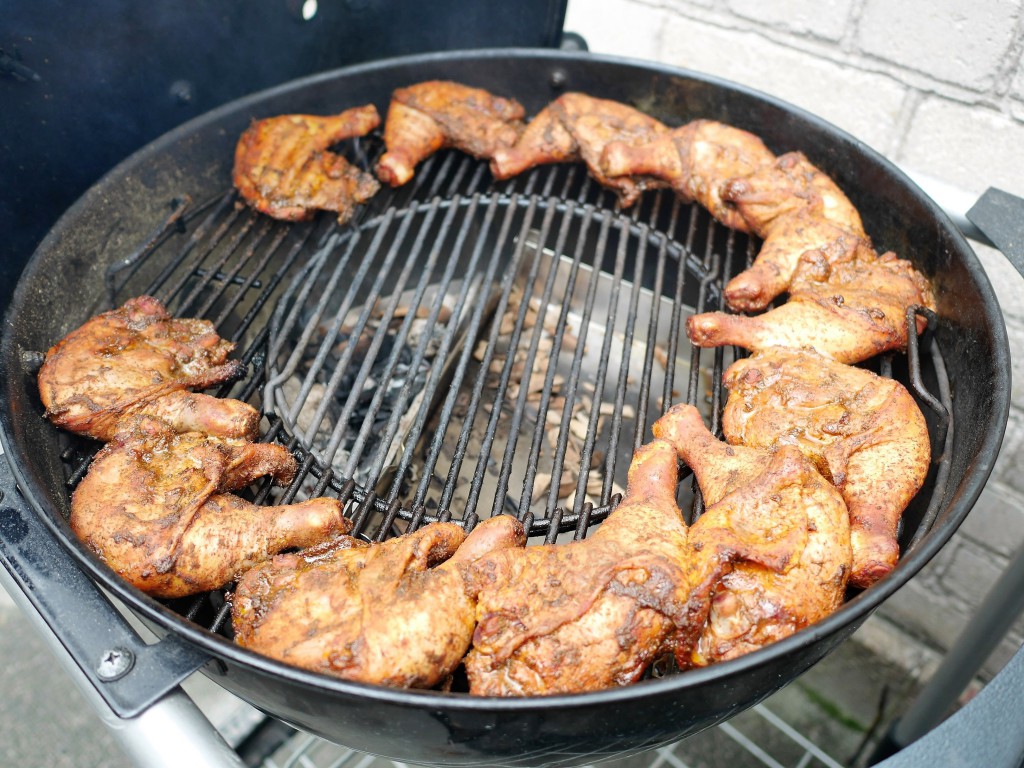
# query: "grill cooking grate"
464,348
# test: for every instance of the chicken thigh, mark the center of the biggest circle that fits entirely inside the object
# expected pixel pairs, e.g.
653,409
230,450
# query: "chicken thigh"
696,160
863,431
396,613
589,614
795,208
786,522
283,167
848,307
154,507
137,359
577,127
427,117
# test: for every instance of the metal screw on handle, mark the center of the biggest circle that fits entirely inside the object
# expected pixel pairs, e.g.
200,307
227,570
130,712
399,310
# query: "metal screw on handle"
114,664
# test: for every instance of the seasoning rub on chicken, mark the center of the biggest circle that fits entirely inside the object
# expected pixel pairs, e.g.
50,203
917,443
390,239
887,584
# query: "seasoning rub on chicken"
395,613
863,431
427,117
284,168
577,127
770,556
786,526
155,506
137,359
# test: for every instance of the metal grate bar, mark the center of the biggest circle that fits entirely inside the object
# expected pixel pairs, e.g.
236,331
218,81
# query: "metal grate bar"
546,392
602,371
558,463
470,287
513,343
473,328
529,365
443,286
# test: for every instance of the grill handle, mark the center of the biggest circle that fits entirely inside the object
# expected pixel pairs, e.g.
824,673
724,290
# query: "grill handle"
127,673
998,215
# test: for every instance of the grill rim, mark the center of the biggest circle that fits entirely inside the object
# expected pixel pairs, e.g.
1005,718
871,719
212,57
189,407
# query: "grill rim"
839,625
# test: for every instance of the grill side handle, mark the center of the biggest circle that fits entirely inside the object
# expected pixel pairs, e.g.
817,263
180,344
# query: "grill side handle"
126,672
998,215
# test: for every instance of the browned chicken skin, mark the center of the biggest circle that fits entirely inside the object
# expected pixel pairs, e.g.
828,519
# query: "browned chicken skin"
790,524
427,117
863,431
770,556
154,507
137,359
849,307
283,167
397,613
577,127
795,208
590,614
695,160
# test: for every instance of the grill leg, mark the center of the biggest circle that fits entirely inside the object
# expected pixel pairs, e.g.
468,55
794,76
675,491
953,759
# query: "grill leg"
1001,607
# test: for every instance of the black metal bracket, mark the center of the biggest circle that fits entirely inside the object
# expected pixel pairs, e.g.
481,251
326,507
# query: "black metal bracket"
998,215
129,674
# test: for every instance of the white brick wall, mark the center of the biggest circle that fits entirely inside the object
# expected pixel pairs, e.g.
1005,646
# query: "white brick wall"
935,85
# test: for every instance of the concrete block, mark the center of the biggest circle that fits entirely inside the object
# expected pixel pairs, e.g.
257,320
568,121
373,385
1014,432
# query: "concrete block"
865,104
1008,286
967,145
618,27
1010,464
921,613
997,520
826,19
972,572
952,41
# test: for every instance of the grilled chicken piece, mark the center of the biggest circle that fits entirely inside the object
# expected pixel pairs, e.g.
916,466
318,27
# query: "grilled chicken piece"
283,167
425,118
795,208
696,160
595,613
154,507
848,307
396,613
137,359
577,127
863,431
790,523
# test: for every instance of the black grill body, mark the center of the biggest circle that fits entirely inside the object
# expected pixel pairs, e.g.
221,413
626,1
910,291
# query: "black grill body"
103,244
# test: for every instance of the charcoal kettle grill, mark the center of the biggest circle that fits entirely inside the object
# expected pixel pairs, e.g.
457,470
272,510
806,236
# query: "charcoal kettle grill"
165,221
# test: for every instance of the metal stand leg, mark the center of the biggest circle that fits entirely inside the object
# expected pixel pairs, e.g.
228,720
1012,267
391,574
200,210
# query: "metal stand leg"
1001,607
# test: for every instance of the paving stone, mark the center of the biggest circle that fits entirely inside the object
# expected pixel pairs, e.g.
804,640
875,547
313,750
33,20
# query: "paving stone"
971,573
996,521
961,43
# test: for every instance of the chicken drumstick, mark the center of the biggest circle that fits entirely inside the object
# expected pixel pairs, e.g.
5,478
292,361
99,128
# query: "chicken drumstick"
427,117
397,613
153,506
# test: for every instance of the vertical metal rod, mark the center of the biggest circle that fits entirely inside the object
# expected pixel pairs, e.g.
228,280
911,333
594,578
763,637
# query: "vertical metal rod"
540,429
472,332
986,629
528,362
